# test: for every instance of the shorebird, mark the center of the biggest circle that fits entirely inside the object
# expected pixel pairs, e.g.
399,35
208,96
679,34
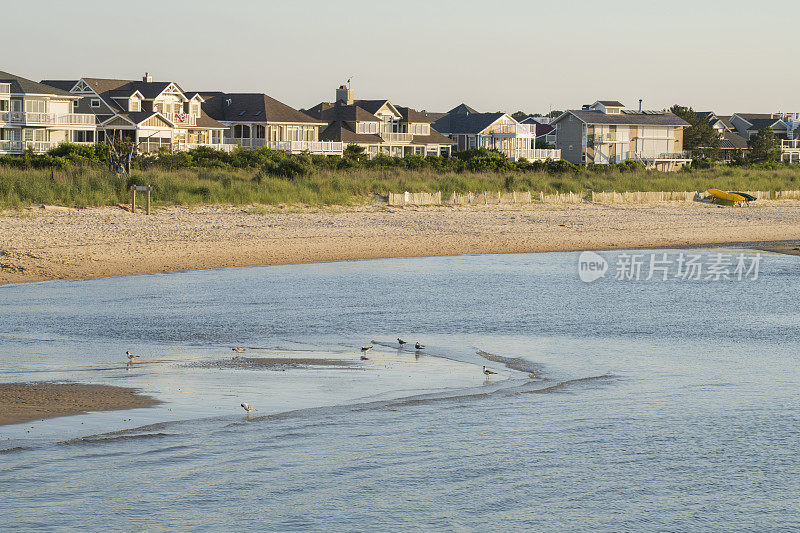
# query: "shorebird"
400,341
364,358
131,357
365,349
419,346
247,407
238,349
488,372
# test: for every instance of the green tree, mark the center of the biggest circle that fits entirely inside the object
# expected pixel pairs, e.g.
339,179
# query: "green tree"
764,147
520,115
354,152
699,137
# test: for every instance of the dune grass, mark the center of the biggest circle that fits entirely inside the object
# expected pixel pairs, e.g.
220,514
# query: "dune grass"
86,187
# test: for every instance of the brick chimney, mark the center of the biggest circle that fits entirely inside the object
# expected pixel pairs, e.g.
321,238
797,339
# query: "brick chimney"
147,78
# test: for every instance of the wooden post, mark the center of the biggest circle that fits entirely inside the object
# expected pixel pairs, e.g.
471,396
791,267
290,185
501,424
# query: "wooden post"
133,199
143,188
148,201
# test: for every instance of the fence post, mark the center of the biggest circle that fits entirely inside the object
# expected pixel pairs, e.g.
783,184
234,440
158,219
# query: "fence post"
133,199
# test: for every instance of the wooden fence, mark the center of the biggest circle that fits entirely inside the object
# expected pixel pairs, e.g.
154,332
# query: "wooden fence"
526,197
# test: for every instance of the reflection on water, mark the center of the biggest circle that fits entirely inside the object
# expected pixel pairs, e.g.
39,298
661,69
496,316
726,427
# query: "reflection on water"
619,405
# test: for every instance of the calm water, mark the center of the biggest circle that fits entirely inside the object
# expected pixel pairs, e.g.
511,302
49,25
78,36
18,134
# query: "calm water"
664,405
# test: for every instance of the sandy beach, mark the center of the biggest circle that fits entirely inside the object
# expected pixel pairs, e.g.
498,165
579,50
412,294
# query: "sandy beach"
22,402
57,243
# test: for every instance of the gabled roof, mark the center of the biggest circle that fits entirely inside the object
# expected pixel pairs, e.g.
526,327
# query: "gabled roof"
412,115
433,138
328,112
462,109
726,120
20,85
591,116
759,124
251,107
543,129
466,123
339,131
732,141
610,103
64,85
372,105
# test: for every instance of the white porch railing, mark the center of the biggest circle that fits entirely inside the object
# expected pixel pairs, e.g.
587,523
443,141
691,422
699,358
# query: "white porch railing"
181,119
71,119
532,154
192,146
397,137
520,130
17,147
292,147
790,145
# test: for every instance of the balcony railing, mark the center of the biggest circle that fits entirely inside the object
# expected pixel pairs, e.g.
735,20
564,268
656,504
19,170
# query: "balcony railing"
599,138
315,147
532,154
514,129
14,147
181,119
397,137
70,119
791,145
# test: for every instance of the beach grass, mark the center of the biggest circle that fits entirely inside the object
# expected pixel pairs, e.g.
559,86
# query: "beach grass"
90,186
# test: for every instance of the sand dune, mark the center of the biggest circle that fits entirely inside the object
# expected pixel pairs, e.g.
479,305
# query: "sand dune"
40,244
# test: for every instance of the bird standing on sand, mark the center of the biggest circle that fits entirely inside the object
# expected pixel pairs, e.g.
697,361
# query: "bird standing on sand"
247,407
238,349
365,349
364,358
488,372
401,342
419,346
131,357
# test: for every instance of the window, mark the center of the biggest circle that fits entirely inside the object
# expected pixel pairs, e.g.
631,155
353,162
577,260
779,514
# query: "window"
95,102
16,106
260,132
35,106
4,105
135,105
75,106
241,131
194,109
81,136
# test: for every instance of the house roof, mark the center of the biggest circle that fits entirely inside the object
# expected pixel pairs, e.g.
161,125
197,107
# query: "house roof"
20,85
371,105
591,116
434,138
251,107
339,131
543,129
433,116
759,124
64,85
328,112
732,141
610,103
462,109
412,115
727,121
466,123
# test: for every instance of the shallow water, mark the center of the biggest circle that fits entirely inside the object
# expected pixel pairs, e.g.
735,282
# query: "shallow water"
656,405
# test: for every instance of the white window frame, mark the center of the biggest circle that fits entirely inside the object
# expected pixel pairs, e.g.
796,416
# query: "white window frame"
94,102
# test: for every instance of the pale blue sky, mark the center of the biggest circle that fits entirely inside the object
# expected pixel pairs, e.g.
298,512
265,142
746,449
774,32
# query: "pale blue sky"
727,56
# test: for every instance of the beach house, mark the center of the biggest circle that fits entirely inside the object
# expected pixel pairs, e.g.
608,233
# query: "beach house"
786,127
39,117
256,120
379,126
471,129
605,133
152,114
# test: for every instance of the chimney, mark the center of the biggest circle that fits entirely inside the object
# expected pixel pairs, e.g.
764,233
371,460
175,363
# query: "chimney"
344,95
147,78
640,105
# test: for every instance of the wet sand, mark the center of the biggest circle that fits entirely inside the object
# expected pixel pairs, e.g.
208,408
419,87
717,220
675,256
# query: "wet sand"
23,402
42,244
275,363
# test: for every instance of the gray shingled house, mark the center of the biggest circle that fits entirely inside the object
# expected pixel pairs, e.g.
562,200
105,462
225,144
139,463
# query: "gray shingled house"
605,133
379,126
39,117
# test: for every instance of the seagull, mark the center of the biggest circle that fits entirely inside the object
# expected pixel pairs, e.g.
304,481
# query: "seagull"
419,346
238,349
401,341
364,358
365,349
247,407
488,372
131,356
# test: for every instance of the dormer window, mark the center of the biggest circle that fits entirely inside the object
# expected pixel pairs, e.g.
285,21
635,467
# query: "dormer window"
194,109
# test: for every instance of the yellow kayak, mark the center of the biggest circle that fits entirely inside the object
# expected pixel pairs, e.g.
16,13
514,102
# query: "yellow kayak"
727,196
